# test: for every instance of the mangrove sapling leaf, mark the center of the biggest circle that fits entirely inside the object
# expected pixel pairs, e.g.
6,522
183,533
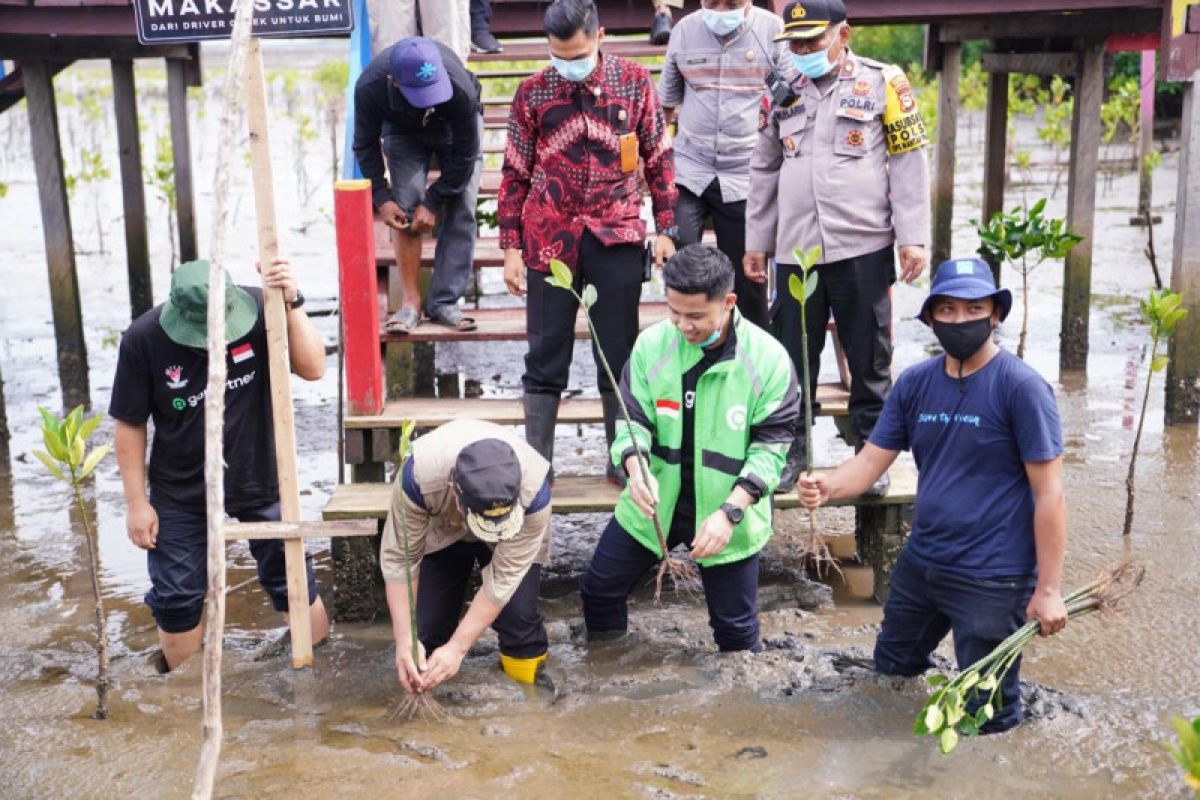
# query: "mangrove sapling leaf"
414,704
944,714
813,548
1024,240
69,461
684,575
1163,310
1187,752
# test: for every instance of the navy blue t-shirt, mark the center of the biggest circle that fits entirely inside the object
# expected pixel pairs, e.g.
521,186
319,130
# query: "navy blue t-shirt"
974,509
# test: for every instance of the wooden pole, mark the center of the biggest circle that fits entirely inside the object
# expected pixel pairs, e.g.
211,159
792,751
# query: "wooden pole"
1146,138
214,415
947,137
277,346
1182,405
133,193
1081,204
995,149
181,151
56,228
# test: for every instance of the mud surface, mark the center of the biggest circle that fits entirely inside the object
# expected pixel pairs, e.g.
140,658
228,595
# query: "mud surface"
659,714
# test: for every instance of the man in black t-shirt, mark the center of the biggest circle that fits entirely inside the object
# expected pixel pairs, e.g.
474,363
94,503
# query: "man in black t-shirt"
162,373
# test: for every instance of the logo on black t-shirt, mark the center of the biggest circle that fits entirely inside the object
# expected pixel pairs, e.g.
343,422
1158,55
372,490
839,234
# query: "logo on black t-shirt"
174,378
241,353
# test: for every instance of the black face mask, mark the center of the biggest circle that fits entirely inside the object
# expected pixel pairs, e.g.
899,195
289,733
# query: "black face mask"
961,340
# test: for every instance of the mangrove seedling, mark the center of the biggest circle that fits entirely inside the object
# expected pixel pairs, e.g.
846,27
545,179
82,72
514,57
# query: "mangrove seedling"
68,459
1025,241
683,574
1163,310
813,548
946,714
414,704
1187,752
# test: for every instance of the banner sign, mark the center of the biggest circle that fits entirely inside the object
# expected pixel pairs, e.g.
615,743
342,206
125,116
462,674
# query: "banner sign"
161,21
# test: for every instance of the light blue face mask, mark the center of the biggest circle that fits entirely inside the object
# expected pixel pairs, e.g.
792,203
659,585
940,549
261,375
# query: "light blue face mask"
813,65
574,70
723,23
712,338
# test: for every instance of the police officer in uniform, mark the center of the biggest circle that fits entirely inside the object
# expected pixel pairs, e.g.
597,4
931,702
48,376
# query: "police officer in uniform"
840,164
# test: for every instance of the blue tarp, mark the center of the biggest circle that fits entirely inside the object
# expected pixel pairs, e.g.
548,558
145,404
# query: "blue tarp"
360,56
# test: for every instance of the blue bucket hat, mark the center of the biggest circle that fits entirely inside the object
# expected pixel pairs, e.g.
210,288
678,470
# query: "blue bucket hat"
966,279
416,65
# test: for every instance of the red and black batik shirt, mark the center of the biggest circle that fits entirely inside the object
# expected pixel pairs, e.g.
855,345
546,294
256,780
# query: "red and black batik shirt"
563,166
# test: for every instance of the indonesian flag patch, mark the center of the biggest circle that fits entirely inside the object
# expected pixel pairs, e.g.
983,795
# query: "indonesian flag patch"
667,408
242,353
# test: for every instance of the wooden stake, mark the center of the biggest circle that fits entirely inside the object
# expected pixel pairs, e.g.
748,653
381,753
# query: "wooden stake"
214,418
277,350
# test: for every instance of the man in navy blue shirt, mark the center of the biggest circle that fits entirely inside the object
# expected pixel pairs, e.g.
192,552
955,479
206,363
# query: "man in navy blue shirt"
986,549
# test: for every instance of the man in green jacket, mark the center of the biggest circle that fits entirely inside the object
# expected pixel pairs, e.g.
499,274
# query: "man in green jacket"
714,402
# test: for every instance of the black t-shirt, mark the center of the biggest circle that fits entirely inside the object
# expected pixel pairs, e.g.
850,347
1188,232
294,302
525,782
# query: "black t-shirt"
160,379
685,507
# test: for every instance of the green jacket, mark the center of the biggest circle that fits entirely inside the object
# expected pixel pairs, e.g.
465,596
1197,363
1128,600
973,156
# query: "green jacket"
746,408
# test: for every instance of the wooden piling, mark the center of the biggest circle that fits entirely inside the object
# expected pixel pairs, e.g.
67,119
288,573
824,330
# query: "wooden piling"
133,193
947,136
1182,405
995,149
56,227
181,150
1081,204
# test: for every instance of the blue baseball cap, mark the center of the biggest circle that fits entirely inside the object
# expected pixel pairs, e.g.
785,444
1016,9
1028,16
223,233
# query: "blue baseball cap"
966,279
416,65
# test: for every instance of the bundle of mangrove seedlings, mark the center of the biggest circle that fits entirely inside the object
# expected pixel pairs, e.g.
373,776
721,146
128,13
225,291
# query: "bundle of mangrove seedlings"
944,715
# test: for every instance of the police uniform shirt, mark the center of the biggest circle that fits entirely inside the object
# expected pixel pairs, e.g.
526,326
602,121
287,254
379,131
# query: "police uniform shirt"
842,168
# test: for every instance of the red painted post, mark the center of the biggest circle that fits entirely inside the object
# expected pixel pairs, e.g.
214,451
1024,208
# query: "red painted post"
353,219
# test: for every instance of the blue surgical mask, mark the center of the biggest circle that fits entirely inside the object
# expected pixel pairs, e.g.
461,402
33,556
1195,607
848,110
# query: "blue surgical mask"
712,338
813,65
723,23
574,70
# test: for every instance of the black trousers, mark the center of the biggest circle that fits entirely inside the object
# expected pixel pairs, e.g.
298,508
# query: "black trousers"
729,222
616,272
481,15
442,591
859,293
621,562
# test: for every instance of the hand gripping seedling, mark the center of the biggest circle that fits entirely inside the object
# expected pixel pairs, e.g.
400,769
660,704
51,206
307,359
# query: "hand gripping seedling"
813,548
414,704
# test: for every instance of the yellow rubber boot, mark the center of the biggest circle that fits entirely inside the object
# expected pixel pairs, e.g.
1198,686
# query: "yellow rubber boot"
522,670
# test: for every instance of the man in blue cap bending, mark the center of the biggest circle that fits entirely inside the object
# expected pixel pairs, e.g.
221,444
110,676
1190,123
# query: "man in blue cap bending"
986,549
424,103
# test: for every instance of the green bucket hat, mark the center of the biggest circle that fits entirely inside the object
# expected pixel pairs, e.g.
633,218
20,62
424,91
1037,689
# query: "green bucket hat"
185,314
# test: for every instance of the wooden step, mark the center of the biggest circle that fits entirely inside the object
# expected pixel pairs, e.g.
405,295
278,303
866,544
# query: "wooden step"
524,72
538,50
503,325
430,412
578,494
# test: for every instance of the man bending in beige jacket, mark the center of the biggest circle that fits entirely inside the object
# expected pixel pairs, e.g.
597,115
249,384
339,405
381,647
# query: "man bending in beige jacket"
471,492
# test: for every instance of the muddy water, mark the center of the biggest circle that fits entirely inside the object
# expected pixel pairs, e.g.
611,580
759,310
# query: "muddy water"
658,715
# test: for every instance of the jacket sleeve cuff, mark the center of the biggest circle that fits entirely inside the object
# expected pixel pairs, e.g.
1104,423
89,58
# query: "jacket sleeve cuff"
627,452
760,243
664,219
753,485
381,195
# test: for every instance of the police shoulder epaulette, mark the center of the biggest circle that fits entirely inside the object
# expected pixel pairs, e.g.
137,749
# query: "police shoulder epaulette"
870,62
